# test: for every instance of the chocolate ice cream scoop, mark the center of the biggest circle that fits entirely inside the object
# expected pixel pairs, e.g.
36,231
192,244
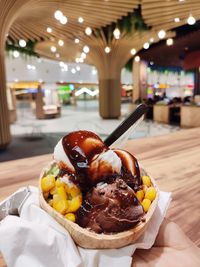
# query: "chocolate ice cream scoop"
110,208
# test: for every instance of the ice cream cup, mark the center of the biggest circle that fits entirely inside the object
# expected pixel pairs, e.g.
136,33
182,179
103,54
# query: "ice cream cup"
89,239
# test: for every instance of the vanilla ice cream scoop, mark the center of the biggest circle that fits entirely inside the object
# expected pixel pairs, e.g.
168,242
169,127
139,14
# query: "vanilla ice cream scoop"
62,159
103,165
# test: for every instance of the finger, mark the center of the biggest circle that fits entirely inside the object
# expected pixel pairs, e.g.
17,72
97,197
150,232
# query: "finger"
171,235
139,261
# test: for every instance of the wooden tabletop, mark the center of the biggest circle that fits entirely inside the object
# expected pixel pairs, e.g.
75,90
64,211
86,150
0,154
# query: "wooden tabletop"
173,160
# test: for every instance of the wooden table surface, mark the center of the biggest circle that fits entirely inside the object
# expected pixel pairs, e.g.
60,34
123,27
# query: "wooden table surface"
173,160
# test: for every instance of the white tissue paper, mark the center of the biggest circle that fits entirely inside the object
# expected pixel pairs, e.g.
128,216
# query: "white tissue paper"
35,239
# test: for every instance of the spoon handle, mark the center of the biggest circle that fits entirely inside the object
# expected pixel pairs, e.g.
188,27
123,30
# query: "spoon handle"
126,124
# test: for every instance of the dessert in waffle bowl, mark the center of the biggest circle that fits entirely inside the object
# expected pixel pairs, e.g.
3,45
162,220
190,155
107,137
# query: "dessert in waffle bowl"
102,196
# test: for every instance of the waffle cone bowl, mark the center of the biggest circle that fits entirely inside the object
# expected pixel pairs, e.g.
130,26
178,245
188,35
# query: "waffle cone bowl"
89,239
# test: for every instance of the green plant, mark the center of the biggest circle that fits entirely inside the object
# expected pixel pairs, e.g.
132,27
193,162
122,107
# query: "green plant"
28,50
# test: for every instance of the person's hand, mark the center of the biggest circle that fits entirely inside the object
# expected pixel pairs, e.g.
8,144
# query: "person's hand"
172,248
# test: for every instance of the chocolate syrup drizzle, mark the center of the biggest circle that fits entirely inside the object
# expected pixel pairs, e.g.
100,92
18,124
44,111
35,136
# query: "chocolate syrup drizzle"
81,153
81,147
114,208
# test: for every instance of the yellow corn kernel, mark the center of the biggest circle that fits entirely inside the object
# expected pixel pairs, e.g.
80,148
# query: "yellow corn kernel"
140,195
60,204
74,191
70,216
50,202
144,188
146,203
47,183
150,193
146,180
59,183
74,204
61,192
53,191
67,188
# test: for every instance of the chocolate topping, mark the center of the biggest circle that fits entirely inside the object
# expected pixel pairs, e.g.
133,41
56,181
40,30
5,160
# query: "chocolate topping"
81,147
84,148
110,208
130,169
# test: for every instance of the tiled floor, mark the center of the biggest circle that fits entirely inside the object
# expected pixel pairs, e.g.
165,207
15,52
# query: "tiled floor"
84,116
34,137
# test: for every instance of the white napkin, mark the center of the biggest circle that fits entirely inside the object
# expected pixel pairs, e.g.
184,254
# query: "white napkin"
35,239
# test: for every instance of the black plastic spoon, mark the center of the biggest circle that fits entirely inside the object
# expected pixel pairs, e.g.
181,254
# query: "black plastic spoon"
126,124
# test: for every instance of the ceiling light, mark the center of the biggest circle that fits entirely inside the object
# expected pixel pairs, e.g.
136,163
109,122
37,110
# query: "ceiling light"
58,14
137,58
88,31
151,40
63,20
146,45
80,20
107,49
191,20
161,34
76,41
116,33
40,80
16,80
169,41
22,43
133,51
65,67
15,54
57,55
176,20
30,67
81,60
49,30
83,55
61,64
73,71
77,60
94,72
78,68
53,49
60,42
86,49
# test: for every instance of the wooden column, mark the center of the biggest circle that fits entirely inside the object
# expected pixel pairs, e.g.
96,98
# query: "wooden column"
109,75
5,136
139,80
109,98
9,10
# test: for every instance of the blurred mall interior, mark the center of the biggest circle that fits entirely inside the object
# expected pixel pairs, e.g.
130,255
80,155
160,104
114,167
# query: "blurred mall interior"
59,62
81,64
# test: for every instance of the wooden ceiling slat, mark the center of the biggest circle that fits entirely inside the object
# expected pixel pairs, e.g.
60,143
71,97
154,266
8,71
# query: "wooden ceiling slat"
25,35
96,13
185,11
